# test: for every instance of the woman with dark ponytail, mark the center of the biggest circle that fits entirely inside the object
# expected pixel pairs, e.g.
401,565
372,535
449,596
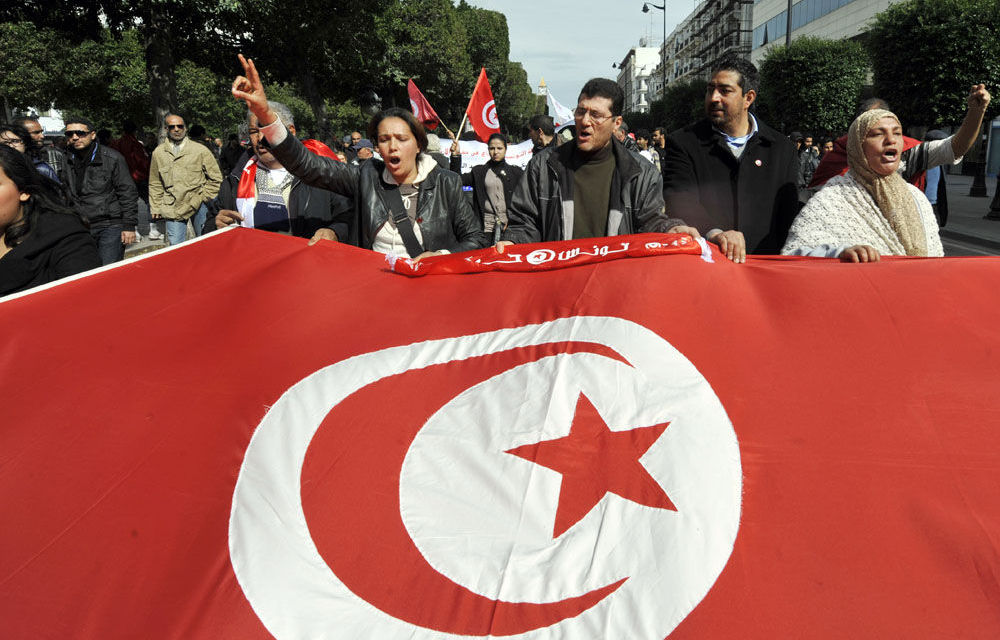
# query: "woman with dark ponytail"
40,239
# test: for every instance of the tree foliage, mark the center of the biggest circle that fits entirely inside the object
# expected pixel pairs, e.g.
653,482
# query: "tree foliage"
813,85
927,53
682,103
113,59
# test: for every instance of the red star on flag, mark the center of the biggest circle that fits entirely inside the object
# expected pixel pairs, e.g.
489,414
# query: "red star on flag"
593,461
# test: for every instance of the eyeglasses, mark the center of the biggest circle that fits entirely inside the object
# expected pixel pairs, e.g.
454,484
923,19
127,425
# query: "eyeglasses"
12,142
596,118
175,126
76,133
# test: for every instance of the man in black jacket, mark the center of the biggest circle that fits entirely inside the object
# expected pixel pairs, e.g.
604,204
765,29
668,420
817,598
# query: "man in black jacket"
730,175
272,199
100,188
590,187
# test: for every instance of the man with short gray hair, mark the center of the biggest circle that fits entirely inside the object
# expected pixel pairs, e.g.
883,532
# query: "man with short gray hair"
183,178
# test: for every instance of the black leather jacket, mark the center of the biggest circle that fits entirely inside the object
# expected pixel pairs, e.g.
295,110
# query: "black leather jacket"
446,220
107,194
541,209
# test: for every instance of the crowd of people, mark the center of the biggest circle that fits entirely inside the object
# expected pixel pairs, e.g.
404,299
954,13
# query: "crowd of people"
728,177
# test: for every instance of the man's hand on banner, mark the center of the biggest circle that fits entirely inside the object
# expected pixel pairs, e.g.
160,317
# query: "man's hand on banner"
249,89
502,245
323,234
732,243
226,217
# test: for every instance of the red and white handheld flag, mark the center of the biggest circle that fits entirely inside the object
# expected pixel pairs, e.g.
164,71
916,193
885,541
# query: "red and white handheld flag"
599,451
422,109
482,110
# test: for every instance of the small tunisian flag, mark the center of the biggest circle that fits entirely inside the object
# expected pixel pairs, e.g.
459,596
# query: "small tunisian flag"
422,109
324,448
482,110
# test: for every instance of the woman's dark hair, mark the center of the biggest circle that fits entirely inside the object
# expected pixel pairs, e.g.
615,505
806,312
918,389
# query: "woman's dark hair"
20,132
498,136
416,128
44,197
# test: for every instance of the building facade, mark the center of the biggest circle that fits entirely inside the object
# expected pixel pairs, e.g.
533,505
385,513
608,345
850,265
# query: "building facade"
713,30
830,19
634,73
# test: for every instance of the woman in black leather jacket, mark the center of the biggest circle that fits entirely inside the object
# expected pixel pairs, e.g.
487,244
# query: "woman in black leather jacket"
405,203
492,184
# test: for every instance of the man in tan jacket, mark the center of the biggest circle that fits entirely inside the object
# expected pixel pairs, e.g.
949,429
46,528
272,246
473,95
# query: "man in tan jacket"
183,177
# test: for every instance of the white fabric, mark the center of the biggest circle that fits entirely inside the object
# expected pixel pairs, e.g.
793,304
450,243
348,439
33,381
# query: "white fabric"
388,238
843,214
562,116
475,153
274,132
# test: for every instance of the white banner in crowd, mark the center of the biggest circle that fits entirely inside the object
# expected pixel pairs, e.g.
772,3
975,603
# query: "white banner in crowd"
561,114
475,153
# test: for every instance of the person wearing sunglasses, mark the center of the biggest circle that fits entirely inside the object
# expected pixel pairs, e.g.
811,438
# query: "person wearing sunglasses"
184,178
100,189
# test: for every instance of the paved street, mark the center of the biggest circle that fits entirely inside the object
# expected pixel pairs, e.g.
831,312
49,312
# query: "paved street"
967,233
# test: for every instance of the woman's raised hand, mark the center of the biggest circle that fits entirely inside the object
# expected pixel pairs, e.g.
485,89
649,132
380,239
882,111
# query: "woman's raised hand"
249,89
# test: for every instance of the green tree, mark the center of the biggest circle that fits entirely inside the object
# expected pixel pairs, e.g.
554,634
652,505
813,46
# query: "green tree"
926,54
812,85
489,46
28,57
427,42
682,103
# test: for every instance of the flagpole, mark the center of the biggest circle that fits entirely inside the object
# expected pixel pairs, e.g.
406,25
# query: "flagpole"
465,117
441,122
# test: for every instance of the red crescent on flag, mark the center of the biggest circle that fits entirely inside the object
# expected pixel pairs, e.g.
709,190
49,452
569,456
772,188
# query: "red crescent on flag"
350,495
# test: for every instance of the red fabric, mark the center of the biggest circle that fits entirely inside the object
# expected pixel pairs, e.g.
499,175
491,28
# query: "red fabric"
136,156
482,110
545,256
422,109
834,163
861,396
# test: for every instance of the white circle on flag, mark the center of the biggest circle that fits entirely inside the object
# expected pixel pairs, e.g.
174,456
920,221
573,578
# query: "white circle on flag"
482,517
416,109
490,115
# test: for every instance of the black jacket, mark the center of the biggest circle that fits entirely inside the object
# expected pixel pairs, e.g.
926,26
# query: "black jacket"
756,194
58,246
508,174
309,208
107,194
539,212
446,220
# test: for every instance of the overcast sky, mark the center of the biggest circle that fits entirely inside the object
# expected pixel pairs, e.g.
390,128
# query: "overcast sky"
569,42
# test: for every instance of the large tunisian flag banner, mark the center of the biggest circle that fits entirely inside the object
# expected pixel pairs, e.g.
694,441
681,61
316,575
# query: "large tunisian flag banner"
317,447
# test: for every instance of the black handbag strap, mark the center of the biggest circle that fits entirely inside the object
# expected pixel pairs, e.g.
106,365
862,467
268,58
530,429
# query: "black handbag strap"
403,222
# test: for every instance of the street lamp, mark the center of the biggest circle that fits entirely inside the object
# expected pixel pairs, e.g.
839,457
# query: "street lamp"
663,49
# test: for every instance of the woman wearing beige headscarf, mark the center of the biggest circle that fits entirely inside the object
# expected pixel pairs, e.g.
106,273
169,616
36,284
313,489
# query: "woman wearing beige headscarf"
869,211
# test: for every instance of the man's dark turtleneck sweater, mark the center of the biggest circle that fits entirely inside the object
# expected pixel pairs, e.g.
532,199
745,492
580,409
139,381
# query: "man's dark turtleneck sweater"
80,162
592,175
